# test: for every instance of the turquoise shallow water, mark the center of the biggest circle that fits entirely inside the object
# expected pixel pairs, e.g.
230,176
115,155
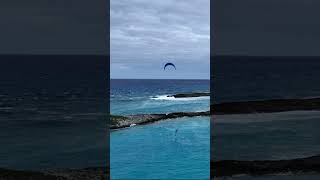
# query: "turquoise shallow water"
156,151
170,149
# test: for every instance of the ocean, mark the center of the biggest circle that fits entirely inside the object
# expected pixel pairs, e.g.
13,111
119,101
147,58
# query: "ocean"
265,136
156,150
53,111
260,78
53,114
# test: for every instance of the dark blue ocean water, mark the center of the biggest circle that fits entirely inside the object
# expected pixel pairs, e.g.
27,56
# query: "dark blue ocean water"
156,150
248,78
284,135
149,96
53,111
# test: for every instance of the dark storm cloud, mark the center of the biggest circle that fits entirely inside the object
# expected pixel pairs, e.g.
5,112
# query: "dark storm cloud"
267,27
145,32
53,26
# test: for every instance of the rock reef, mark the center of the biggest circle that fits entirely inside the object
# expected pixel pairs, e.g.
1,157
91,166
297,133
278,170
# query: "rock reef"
7,174
265,167
266,106
187,95
64,174
223,168
97,173
240,107
139,119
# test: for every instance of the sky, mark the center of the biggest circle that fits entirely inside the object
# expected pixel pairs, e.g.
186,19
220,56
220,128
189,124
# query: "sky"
266,27
145,34
53,27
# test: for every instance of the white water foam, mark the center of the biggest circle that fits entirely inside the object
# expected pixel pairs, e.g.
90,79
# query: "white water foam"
171,98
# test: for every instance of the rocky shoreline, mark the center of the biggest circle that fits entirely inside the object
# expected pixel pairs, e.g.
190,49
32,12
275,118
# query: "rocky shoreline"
118,122
223,168
240,107
266,106
96,173
265,167
99,173
8,174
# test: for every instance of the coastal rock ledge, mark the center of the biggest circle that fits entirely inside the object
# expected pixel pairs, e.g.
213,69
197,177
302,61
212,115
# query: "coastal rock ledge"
265,167
117,122
266,106
97,173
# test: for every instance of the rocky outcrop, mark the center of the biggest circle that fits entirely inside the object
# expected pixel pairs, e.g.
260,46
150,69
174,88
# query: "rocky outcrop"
6,174
139,119
266,106
97,173
63,174
233,167
187,95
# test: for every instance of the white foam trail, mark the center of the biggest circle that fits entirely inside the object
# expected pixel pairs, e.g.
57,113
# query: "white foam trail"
171,98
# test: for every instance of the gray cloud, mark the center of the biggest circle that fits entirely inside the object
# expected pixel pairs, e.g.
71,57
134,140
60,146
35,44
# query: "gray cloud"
53,27
144,31
267,27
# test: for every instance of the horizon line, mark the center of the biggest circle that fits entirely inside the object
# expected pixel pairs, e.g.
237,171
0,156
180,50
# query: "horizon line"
239,55
67,54
153,79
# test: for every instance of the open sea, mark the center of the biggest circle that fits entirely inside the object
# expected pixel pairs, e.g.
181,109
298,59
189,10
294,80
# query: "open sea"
53,114
53,111
155,150
266,136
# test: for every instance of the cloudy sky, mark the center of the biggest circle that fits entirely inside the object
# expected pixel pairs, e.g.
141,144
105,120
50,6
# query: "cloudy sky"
53,27
266,27
146,34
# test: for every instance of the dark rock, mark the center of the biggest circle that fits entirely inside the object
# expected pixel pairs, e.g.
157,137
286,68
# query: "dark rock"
139,119
6,174
266,106
97,173
186,95
265,167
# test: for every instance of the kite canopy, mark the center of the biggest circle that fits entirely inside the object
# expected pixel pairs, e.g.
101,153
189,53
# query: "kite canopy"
169,64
